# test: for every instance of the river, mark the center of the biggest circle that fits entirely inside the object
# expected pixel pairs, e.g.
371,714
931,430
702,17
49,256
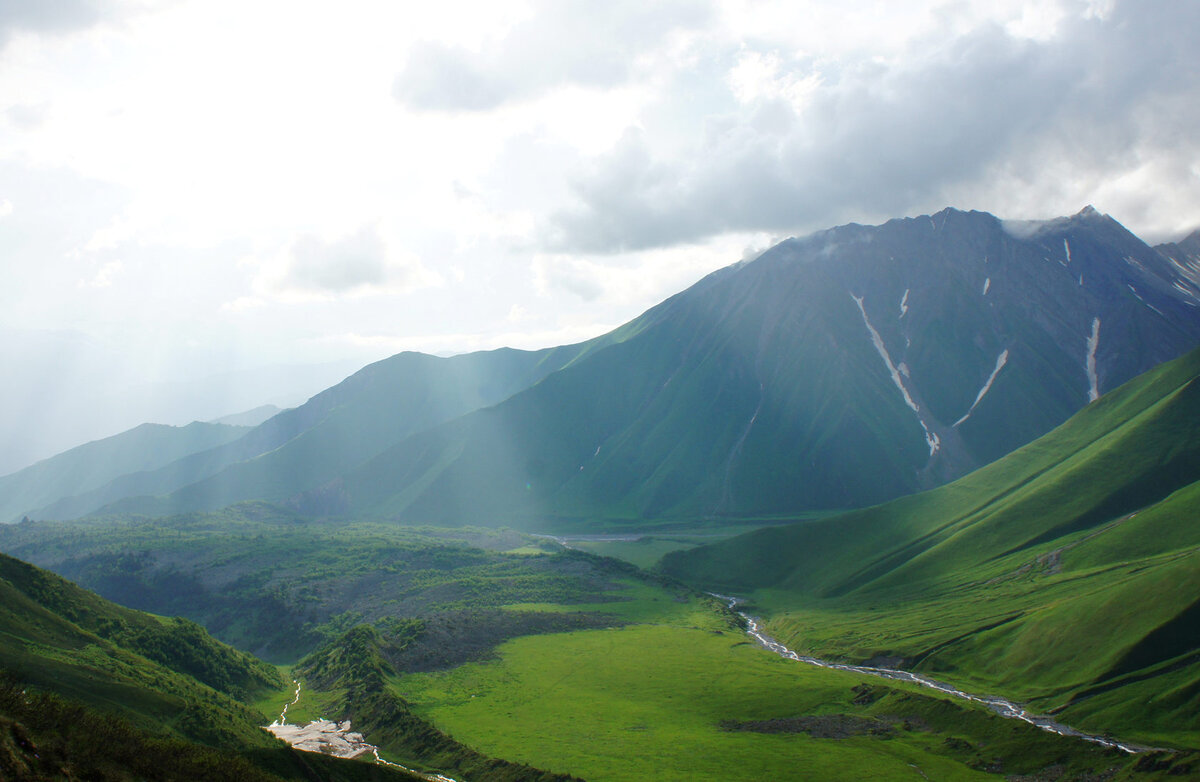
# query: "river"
1005,708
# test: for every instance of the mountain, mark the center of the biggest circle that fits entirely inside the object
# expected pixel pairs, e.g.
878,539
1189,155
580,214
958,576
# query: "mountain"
1067,574
306,446
1184,256
839,370
249,417
94,464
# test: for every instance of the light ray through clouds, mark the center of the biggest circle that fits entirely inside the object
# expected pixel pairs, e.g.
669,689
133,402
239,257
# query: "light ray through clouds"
197,187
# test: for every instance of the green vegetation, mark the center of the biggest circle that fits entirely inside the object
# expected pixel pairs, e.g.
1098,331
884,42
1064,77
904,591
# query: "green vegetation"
266,580
450,656
687,697
644,548
352,672
58,637
93,691
45,737
1065,575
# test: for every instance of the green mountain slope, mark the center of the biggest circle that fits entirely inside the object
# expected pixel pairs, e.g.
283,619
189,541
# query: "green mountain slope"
90,466
92,690
157,673
1066,573
769,388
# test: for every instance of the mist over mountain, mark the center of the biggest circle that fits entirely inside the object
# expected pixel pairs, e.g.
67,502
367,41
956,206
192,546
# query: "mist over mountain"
64,390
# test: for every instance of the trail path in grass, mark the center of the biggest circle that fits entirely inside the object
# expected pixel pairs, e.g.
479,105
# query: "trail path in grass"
1000,706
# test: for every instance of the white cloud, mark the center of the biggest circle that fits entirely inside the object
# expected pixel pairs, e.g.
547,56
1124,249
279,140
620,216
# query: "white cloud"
591,43
821,141
104,275
448,176
354,264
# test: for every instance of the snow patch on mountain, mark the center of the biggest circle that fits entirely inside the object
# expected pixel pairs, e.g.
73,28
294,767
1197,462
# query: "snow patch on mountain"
881,349
931,438
1092,343
1138,296
1185,289
1000,362
1135,263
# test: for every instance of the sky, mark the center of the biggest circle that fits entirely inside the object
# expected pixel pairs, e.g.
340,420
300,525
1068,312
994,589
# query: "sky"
195,191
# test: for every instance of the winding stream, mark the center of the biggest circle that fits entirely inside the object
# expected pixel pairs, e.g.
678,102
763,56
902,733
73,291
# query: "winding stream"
1004,708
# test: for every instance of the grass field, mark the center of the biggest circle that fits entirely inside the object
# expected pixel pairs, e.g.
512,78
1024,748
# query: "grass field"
653,700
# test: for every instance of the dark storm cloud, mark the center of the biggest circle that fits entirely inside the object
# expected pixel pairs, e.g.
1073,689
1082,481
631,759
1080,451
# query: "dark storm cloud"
873,139
586,42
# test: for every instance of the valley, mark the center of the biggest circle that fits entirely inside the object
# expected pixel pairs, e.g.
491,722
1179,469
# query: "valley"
952,487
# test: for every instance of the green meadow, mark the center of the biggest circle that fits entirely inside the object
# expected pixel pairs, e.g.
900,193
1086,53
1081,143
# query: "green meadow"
687,696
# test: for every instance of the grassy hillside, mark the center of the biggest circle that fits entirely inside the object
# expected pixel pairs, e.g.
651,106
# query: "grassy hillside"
157,673
1066,574
47,737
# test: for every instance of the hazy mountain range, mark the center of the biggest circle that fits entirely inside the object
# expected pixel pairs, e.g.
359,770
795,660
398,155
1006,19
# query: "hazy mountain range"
837,370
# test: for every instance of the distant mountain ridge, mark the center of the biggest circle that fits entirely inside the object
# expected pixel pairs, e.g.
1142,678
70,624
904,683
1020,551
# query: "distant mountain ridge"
837,370
252,417
94,464
339,427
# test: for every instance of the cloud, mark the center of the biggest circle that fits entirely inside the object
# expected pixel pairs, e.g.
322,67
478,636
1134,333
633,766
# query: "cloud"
637,280
349,262
571,275
1091,99
49,18
104,275
355,264
590,43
